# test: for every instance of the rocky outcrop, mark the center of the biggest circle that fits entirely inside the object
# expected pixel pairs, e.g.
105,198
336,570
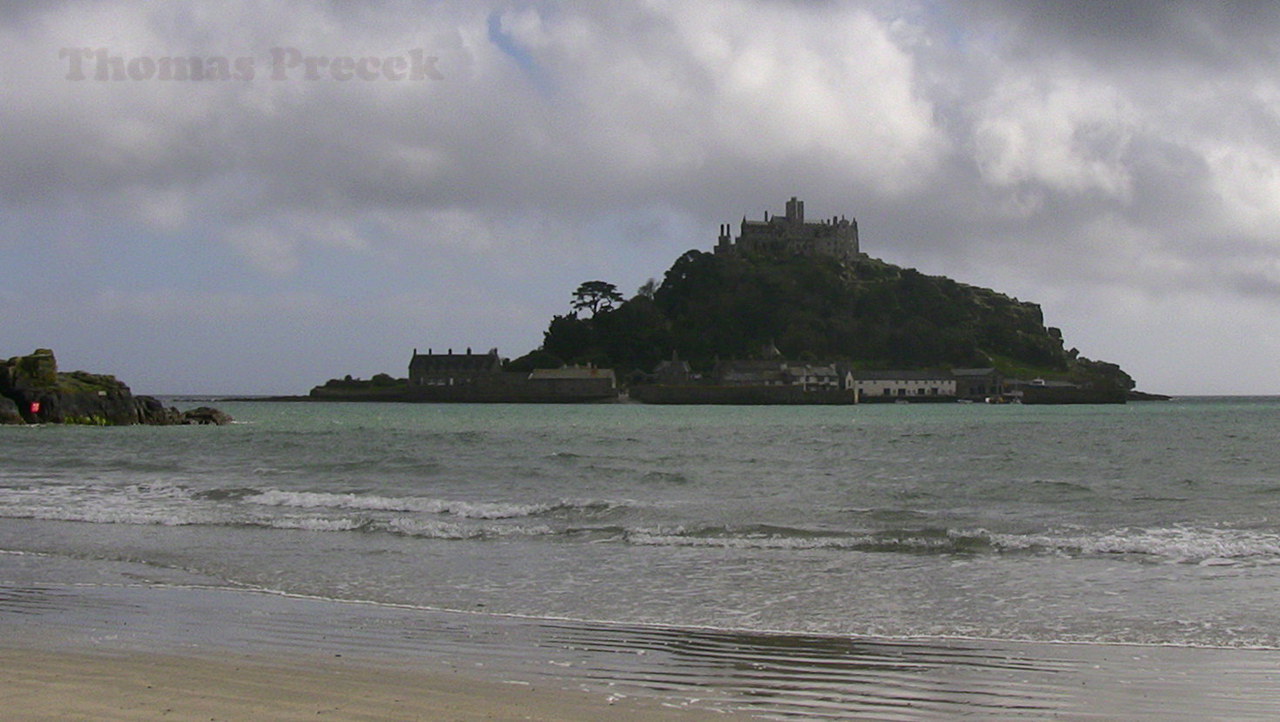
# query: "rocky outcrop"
33,390
206,415
9,412
149,410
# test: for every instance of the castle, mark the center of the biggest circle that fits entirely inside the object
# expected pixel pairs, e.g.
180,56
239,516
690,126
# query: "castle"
790,234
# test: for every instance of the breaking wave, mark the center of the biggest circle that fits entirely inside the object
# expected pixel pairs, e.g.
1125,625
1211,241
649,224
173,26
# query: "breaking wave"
1177,545
612,522
425,505
167,504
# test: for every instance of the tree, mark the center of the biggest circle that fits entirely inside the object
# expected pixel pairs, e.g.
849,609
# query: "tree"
595,296
536,359
569,338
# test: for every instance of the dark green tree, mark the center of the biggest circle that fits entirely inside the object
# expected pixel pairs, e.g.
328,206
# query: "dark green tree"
596,296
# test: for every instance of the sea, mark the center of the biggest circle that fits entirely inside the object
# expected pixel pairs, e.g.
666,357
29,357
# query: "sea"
1147,525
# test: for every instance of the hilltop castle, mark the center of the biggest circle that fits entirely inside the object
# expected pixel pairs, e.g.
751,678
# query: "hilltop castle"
837,237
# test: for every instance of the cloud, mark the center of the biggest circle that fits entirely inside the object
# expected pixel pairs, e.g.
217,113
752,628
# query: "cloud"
1126,150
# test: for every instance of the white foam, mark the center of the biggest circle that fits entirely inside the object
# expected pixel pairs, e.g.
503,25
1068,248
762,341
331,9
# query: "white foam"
313,524
425,505
140,504
1210,546
680,536
1207,547
432,529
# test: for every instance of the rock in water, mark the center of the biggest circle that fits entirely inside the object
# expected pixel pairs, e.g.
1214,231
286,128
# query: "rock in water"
149,410
32,390
9,412
206,415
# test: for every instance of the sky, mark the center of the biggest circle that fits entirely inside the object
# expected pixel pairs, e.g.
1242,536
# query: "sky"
352,180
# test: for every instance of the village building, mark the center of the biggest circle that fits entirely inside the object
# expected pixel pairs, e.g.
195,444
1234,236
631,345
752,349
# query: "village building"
674,372
902,385
774,370
450,369
791,234
751,372
808,376
473,377
978,384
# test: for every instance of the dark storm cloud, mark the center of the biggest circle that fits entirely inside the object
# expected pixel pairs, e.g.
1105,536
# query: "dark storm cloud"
1212,35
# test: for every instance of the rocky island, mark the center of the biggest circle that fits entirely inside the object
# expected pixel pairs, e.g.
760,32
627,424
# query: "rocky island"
34,391
788,311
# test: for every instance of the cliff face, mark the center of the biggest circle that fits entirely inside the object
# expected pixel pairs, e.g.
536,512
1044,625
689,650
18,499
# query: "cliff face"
33,391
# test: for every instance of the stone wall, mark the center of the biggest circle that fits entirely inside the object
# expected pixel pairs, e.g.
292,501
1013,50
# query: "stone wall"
739,395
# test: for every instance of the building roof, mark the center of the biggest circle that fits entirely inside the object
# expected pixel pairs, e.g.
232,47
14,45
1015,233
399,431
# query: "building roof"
973,372
674,366
808,370
902,375
455,362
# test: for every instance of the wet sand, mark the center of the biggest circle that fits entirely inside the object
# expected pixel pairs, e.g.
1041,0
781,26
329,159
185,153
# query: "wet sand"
142,686
147,652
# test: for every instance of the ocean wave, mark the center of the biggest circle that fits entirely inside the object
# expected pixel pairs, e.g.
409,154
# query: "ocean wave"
149,504
226,494
173,504
137,517
432,529
318,524
1177,544
1204,546
424,505
407,526
772,537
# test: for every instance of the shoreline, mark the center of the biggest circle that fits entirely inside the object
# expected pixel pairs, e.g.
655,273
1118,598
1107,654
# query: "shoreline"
130,651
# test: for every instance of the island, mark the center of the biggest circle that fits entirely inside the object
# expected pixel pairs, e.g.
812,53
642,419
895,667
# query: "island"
787,311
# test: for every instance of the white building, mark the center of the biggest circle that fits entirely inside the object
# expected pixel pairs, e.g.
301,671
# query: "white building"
904,385
812,378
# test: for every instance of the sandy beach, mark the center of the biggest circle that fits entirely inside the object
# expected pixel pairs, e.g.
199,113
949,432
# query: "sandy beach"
162,652
141,686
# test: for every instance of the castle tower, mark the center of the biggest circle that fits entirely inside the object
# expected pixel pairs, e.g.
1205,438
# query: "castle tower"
795,210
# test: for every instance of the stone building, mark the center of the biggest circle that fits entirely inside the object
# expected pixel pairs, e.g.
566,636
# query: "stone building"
479,378
813,376
751,372
674,372
903,385
791,234
978,384
450,369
